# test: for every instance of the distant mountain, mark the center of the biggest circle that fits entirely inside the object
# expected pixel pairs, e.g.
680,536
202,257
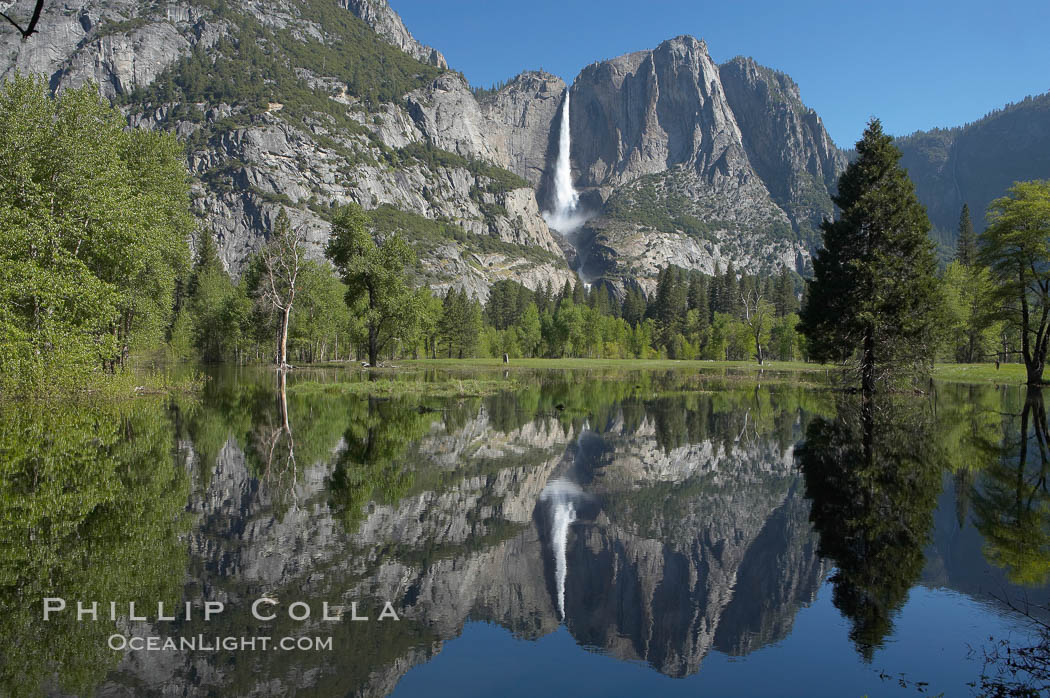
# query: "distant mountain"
975,164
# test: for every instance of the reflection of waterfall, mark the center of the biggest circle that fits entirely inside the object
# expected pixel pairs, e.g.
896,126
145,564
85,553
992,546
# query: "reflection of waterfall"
566,217
560,495
564,514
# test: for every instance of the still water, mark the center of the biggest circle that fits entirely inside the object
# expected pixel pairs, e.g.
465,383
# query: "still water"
584,533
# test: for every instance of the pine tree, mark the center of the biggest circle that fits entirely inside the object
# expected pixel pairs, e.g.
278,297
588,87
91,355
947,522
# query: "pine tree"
579,294
544,297
634,306
784,293
966,248
874,294
566,292
697,293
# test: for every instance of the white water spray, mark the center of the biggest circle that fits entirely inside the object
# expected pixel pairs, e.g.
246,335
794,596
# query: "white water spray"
566,216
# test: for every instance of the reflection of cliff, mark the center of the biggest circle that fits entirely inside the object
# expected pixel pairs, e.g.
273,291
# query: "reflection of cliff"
708,546
765,602
641,550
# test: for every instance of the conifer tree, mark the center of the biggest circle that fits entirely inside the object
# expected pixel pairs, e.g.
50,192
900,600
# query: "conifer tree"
786,302
874,295
966,248
697,293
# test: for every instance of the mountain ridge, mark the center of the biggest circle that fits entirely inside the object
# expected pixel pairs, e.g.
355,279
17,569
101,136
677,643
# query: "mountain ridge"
316,103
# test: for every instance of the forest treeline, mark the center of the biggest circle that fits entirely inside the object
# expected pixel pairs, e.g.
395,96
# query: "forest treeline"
95,267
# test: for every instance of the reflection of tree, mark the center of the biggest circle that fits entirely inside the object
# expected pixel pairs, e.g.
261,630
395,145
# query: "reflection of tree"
274,451
969,431
378,432
873,479
91,507
281,431
1012,503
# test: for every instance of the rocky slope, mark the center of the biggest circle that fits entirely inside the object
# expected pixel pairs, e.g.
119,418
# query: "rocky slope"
331,112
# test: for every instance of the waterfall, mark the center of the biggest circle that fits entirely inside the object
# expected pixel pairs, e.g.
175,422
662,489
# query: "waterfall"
566,216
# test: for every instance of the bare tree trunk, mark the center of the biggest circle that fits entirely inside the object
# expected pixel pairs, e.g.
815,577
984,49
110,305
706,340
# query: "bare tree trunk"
867,363
373,345
282,349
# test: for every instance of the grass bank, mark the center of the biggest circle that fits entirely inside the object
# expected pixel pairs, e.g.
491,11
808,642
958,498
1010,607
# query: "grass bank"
479,377
448,387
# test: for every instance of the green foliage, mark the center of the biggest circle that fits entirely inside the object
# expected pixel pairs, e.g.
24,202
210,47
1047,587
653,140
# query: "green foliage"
483,93
320,316
460,325
966,246
873,299
1016,248
93,228
374,275
970,325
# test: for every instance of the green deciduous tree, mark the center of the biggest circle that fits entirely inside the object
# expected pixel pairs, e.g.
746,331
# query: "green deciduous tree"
93,228
1016,248
970,322
874,294
321,315
529,331
375,276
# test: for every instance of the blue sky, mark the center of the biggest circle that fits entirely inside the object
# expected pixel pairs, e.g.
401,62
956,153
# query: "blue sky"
915,65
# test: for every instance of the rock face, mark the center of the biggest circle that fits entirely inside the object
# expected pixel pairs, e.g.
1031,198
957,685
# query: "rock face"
111,43
660,154
647,112
785,140
378,15
525,108
447,113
